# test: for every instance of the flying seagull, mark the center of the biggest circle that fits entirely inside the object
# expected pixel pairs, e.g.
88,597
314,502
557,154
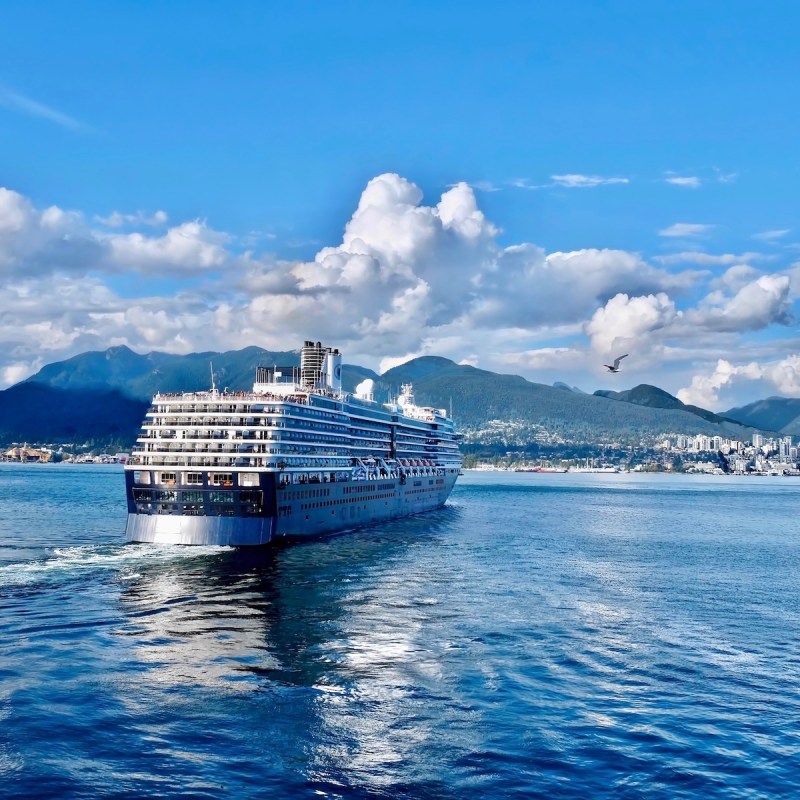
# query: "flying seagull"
615,366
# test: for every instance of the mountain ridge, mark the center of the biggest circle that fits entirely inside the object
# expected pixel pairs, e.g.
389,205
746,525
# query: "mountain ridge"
651,396
479,398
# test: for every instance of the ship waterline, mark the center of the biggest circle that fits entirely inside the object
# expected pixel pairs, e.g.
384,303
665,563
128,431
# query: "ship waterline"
295,457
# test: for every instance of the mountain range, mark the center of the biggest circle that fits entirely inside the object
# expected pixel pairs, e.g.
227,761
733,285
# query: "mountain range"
104,394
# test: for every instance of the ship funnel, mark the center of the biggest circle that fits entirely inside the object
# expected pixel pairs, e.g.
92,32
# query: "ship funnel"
332,371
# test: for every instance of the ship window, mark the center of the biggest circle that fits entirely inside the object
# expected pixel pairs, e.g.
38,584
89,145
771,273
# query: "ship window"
142,476
221,497
222,479
167,477
251,497
248,479
194,478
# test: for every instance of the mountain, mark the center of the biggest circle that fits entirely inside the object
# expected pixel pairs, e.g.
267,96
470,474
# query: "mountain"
653,397
478,396
141,376
32,412
102,389
567,388
781,414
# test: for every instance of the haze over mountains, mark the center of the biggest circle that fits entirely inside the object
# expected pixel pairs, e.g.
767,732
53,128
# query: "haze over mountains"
104,394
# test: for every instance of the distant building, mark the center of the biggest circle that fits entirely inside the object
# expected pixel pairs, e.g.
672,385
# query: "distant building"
27,455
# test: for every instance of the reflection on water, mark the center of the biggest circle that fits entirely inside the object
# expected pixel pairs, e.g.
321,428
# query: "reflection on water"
246,616
334,627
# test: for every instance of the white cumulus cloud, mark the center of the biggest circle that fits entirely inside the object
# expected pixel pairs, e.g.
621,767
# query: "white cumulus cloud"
627,321
190,246
754,306
704,389
782,376
409,276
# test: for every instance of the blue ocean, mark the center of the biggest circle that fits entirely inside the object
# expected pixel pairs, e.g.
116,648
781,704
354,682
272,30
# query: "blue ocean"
586,636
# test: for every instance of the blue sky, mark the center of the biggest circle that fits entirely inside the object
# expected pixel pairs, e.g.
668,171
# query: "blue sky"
201,165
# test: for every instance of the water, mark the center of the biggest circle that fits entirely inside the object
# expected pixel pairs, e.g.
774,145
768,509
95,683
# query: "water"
542,636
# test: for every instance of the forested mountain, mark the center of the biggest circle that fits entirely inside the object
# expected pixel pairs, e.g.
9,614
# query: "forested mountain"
651,396
33,412
108,391
478,396
141,376
780,414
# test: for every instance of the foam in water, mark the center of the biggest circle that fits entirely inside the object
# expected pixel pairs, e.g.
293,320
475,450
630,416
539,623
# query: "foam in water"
69,562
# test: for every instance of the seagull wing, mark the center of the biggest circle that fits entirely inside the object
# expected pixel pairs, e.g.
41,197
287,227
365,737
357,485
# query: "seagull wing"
618,359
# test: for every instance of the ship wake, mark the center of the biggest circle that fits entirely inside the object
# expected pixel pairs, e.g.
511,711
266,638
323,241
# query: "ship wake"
122,562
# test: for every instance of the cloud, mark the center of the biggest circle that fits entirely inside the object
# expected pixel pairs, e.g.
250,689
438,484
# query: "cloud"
785,375
16,372
34,242
189,246
546,358
37,242
772,236
481,186
364,389
117,220
407,277
14,101
686,229
707,259
569,181
756,305
704,389
627,321
575,181
735,278
524,183
725,177
782,375
688,182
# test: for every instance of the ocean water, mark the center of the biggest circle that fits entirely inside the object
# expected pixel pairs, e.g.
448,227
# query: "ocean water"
582,636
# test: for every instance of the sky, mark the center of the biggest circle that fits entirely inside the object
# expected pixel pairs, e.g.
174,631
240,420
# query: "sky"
533,188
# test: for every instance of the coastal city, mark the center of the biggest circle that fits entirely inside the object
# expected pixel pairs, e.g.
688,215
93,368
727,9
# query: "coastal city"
682,453
714,455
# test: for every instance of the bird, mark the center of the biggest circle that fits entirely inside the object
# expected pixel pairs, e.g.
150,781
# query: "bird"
615,366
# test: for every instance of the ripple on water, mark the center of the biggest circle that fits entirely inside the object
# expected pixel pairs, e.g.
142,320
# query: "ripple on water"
537,638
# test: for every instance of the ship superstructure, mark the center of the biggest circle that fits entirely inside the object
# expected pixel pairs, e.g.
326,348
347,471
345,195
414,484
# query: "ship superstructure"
294,457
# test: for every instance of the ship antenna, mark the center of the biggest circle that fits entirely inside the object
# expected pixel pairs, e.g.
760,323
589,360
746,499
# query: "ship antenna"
213,388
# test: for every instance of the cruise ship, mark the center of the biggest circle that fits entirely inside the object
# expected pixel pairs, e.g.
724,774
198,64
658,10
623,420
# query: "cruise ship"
294,457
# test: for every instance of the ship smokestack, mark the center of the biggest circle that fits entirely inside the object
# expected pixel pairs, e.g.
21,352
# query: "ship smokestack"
332,371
